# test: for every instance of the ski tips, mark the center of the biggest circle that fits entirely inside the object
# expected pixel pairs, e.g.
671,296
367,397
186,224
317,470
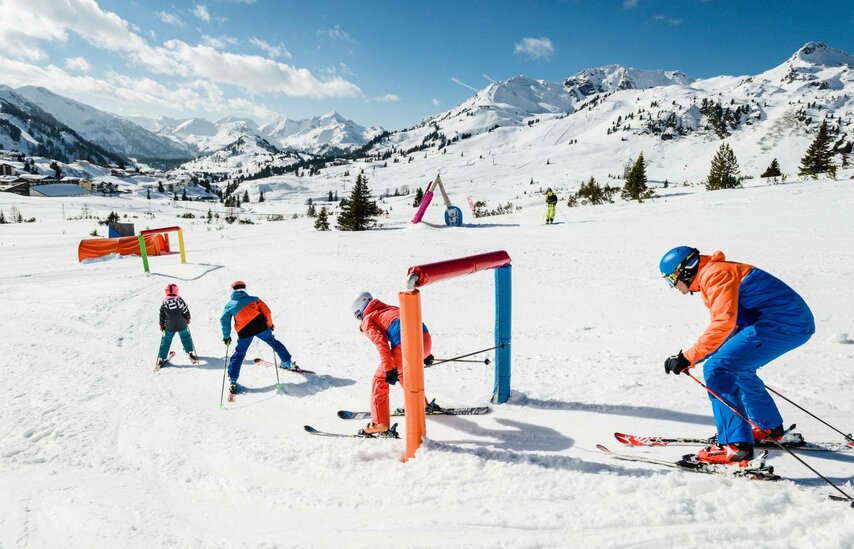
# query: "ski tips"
344,414
603,449
310,429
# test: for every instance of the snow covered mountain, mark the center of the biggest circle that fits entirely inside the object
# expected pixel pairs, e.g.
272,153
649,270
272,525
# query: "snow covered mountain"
322,135
108,130
328,134
27,128
597,120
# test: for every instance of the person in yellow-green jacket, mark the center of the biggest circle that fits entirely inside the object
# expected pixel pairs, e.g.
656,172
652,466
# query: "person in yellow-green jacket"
551,204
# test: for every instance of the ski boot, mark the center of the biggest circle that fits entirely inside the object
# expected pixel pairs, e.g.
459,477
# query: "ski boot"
786,437
160,363
193,357
433,408
737,459
232,391
379,430
287,365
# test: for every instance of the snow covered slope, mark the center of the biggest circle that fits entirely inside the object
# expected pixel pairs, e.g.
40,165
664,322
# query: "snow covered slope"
98,451
111,132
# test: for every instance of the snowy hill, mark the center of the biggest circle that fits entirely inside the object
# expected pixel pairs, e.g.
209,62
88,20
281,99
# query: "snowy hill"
111,132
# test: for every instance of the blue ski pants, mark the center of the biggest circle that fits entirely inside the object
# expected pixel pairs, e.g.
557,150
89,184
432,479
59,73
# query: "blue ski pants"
243,345
166,341
731,373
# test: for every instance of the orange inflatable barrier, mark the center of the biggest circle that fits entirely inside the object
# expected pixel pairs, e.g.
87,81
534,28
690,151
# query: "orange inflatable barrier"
155,244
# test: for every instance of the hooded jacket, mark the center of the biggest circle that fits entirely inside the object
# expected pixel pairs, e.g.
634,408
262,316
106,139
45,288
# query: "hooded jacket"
174,314
740,295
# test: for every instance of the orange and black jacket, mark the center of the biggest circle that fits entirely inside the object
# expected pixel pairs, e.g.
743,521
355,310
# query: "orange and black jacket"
251,315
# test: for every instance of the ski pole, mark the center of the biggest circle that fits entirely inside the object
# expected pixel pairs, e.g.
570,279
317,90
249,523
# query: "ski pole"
276,364
224,370
742,416
848,437
162,337
484,361
456,358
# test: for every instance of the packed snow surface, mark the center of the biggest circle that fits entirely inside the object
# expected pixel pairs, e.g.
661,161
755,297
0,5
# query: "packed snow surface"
96,450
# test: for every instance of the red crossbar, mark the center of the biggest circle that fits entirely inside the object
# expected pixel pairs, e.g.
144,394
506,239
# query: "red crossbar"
163,230
441,270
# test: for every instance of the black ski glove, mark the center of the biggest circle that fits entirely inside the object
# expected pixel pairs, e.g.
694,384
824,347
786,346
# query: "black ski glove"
226,340
391,376
429,360
676,364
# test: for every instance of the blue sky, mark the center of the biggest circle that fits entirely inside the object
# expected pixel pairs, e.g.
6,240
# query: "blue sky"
378,62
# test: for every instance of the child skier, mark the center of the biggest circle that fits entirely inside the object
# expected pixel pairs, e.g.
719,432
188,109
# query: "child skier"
381,324
551,204
755,318
175,317
251,318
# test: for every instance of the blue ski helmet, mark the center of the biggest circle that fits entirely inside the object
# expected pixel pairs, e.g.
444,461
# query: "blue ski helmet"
680,263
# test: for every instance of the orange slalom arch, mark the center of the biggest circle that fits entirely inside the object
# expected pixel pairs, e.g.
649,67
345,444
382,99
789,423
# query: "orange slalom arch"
93,248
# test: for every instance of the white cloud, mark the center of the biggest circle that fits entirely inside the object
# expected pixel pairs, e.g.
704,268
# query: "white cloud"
31,22
535,48
630,4
201,11
278,50
336,33
435,101
77,64
387,98
667,19
169,18
218,42
253,72
463,84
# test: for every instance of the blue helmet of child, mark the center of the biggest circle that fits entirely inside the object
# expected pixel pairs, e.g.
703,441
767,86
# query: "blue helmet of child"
680,263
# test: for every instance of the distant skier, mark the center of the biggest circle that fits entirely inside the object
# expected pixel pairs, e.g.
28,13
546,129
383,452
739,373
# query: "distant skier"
551,204
381,324
251,318
174,317
755,318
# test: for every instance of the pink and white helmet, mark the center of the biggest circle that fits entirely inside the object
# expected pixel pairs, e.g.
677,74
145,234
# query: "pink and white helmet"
171,290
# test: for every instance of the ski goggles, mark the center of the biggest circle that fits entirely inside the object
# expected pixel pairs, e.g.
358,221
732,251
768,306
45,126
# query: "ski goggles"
690,261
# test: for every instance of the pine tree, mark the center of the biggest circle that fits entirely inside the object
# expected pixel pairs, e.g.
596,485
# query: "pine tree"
773,170
330,197
311,212
358,213
160,188
419,196
245,196
322,221
819,156
635,187
723,173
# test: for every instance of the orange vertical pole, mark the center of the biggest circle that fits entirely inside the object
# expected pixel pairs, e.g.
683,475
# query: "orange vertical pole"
412,343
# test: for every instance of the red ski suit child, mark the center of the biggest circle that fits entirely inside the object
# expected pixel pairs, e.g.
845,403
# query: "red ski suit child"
381,323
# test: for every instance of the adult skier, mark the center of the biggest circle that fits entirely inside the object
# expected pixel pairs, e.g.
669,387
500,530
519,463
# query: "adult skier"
174,317
252,319
551,204
381,324
755,318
